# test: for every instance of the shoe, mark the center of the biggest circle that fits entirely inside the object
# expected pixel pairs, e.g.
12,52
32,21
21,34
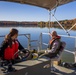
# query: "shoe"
46,66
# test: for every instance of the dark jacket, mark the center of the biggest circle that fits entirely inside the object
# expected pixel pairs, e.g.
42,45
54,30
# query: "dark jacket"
54,46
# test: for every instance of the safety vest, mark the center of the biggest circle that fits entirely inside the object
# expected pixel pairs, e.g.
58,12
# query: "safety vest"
10,51
58,49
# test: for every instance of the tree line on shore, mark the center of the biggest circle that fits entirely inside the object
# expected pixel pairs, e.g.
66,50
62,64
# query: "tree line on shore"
65,23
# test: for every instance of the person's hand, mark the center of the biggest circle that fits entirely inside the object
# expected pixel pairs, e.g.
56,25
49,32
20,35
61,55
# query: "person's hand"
46,51
26,53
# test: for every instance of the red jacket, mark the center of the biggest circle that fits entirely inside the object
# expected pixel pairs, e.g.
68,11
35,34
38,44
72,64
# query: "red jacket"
10,51
7,52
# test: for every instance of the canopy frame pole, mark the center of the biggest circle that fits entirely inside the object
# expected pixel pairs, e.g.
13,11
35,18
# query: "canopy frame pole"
60,24
75,52
72,27
49,19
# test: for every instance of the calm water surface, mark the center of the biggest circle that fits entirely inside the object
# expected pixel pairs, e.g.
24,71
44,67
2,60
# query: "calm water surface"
35,33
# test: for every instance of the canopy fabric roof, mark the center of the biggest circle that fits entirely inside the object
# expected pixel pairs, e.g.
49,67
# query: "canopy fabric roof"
48,4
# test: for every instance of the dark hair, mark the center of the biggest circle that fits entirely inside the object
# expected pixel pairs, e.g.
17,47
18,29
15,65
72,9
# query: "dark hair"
11,33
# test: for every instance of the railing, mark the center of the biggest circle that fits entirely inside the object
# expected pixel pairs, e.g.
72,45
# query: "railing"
28,36
42,43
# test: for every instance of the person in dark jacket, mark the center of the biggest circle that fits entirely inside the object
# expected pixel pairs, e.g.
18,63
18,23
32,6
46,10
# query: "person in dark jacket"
54,45
10,46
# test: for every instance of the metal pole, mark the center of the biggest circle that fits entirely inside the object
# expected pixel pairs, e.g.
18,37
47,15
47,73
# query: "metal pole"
60,24
72,27
75,52
40,41
49,19
29,44
49,22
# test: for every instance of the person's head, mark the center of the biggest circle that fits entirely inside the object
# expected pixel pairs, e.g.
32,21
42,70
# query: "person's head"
13,33
11,36
53,34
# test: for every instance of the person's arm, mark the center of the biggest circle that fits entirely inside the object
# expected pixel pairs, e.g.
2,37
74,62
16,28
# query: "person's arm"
3,46
21,47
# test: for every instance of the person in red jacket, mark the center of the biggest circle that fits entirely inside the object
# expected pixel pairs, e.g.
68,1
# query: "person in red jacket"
10,46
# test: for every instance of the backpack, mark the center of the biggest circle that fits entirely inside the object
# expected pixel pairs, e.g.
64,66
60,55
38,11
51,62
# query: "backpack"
62,45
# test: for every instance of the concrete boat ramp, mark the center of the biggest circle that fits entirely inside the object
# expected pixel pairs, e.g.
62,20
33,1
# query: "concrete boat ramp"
36,67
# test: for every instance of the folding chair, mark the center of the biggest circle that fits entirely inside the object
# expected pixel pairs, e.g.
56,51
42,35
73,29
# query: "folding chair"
58,57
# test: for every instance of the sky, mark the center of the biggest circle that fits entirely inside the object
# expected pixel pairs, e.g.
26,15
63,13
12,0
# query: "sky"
10,11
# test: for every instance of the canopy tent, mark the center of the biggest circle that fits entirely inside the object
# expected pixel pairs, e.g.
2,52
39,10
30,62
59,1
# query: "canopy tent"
48,4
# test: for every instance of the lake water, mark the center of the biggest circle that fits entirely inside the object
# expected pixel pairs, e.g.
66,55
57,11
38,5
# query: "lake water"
35,33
